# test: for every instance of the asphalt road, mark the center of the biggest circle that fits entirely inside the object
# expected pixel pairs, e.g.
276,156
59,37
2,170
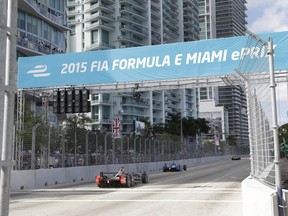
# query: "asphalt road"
205,190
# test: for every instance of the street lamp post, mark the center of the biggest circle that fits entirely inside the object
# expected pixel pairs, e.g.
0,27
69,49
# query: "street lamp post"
181,126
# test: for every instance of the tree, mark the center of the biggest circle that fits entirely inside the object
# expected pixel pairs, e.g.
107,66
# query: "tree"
75,132
148,132
283,133
231,140
30,120
173,126
202,125
283,140
190,126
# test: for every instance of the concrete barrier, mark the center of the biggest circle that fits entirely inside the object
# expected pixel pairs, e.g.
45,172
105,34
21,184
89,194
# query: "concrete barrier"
41,178
258,199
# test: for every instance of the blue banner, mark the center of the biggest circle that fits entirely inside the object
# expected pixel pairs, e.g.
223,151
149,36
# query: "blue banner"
215,57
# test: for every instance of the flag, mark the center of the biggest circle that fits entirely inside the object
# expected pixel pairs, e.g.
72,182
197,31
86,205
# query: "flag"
116,128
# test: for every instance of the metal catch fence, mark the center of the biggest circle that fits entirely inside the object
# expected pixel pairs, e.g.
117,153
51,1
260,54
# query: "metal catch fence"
51,147
256,69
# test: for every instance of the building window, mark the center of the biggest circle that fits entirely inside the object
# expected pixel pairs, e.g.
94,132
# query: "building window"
203,93
210,93
21,20
105,36
94,36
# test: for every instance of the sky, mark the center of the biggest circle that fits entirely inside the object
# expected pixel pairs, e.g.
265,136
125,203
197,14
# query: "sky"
266,16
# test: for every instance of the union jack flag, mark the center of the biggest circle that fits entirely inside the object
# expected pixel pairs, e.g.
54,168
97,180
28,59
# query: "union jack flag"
116,128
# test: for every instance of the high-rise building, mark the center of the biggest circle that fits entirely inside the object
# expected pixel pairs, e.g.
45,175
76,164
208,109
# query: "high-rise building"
230,18
107,24
220,19
41,30
41,27
225,107
233,98
207,19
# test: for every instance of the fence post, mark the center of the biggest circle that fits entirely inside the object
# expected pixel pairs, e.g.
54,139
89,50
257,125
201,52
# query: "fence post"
135,145
96,148
105,148
49,144
33,146
121,147
86,147
63,157
278,182
128,149
145,148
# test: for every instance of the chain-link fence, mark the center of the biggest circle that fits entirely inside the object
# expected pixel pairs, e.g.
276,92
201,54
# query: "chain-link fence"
259,84
54,147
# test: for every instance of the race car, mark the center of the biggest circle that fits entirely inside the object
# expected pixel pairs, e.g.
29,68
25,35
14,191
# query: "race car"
120,179
173,167
235,158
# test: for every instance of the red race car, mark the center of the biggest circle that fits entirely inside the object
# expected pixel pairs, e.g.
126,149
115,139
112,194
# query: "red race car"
120,179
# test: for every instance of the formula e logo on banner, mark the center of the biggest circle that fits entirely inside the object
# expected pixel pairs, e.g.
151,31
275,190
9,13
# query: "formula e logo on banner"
39,71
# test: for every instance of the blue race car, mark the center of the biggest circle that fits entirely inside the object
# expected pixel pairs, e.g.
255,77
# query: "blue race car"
173,167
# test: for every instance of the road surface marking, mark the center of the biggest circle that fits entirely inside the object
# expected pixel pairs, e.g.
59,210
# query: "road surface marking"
194,201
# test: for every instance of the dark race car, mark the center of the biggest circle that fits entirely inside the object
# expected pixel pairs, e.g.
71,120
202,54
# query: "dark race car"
173,167
236,158
120,179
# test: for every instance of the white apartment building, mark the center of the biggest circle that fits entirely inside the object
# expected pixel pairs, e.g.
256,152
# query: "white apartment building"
106,24
225,107
109,24
212,112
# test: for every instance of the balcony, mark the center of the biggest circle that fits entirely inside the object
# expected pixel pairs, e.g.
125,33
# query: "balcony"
103,1
157,105
100,24
101,101
128,19
32,45
155,6
169,35
100,6
134,4
74,21
128,39
135,13
188,9
48,14
155,15
73,3
141,103
156,37
73,12
135,30
99,46
100,15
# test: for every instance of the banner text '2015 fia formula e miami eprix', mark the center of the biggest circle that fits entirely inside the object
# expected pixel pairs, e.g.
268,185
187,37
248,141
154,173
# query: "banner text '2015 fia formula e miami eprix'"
215,57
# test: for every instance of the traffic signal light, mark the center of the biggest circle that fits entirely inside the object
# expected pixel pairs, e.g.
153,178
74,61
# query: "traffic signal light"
85,105
136,96
62,102
56,100
70,101
77,101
